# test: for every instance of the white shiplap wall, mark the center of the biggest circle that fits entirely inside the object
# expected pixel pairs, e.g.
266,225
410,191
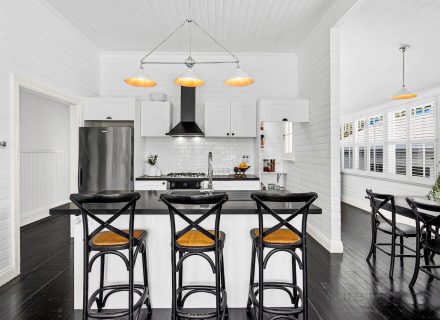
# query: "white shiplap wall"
317,143
38,45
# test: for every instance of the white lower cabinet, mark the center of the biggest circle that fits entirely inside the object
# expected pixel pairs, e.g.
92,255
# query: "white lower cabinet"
150,185
234,185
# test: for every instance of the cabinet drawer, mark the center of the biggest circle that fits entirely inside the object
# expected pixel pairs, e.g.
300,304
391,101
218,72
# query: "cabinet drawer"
150,185
234,185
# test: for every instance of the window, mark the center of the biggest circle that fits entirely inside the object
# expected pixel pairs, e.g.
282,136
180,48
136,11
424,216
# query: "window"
361,144
399,144
288,141
376,142
348,157
422,141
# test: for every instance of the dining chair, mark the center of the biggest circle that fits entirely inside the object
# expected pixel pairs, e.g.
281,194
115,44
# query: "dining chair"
389,226
427,238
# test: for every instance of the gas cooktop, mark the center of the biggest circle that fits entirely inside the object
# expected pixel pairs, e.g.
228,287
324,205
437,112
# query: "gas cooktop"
184,175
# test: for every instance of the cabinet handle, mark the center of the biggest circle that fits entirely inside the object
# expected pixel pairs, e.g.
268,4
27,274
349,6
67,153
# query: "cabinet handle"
109,118
227,134
285,119
233,133
163,182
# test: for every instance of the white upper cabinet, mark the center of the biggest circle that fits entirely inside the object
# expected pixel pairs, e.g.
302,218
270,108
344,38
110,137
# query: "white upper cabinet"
226,119
217,119
243,119
109,109
155,118
287,110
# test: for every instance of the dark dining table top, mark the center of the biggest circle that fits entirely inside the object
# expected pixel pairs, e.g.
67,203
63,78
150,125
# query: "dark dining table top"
240,202
402,207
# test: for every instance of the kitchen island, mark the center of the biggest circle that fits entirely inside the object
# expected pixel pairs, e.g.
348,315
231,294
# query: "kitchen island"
238,217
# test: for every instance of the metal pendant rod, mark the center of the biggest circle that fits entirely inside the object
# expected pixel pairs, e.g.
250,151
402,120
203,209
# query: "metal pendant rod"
163,41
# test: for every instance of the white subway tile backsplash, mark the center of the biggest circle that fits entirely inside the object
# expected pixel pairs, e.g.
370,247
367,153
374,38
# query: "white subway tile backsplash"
191,154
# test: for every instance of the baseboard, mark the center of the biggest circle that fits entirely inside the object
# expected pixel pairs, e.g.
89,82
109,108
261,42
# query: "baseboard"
7,275
38,214
329,245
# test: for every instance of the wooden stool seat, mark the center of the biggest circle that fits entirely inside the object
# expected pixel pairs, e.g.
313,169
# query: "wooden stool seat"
109,238
280,236
196,239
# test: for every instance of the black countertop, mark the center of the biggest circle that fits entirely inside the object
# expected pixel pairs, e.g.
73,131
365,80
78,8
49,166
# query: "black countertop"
239,202
230,177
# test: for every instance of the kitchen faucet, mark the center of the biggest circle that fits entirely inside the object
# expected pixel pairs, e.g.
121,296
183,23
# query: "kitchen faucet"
210,172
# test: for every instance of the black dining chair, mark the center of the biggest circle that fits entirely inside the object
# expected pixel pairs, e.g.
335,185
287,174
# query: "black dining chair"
126,244
195,240
390,227
281,237
427,239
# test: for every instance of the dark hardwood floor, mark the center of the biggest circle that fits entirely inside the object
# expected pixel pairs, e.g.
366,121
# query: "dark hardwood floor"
341,286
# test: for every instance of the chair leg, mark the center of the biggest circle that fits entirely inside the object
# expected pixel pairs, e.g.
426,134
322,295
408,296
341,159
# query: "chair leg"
294,281
179,298
146,283
252,279
393,255
401,251
260,283
373,243
217,285
130,284
101,284
173,285
223,282
416,265
305,290
85,284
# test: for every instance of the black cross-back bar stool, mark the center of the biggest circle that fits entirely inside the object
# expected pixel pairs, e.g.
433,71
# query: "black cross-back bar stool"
427,238
282,237
396,230
195,240
112,242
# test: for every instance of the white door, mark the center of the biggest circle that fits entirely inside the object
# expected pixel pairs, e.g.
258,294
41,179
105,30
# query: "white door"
243,119
217,119
155,119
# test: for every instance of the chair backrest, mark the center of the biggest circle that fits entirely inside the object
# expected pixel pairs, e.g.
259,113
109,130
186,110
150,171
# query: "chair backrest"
215,203
81,200
377,202
426,214
261,198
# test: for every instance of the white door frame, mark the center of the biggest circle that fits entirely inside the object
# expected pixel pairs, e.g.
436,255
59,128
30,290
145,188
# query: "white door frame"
75,115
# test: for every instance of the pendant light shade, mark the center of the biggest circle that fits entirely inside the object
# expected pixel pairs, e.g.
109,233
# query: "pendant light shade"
403,93
189,79
239,79
140,79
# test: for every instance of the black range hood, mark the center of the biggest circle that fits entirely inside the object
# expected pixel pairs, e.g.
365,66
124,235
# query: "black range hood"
187,127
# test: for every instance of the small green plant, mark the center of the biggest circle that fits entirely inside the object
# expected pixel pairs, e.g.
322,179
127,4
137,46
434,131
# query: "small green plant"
152,159
434,194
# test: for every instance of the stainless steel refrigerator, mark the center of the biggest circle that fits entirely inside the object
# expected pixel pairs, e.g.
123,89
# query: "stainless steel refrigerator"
105,159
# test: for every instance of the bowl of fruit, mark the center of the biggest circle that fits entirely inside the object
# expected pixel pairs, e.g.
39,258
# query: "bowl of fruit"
241,169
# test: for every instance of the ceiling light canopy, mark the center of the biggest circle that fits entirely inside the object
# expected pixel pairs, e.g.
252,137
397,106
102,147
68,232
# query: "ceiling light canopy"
403,93
189,78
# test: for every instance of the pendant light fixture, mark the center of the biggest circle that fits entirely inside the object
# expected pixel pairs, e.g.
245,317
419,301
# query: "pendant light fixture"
403,93
189,78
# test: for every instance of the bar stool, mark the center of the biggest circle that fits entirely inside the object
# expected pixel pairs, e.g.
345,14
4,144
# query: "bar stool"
279,239
427,238
381,223
112,242
195,240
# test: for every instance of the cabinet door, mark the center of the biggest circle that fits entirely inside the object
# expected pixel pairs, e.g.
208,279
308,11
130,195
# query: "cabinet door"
278,110
243,119
155,119
150,185
109,109
217,119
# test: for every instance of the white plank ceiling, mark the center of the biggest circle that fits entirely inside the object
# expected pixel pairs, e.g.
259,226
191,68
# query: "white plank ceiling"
241,25
371,62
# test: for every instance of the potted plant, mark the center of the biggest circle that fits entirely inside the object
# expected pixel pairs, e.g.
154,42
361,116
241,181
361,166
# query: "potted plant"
151,169
434,194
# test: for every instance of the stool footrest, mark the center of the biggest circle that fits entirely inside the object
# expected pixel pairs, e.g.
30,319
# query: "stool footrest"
189,290
112,289
295,294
